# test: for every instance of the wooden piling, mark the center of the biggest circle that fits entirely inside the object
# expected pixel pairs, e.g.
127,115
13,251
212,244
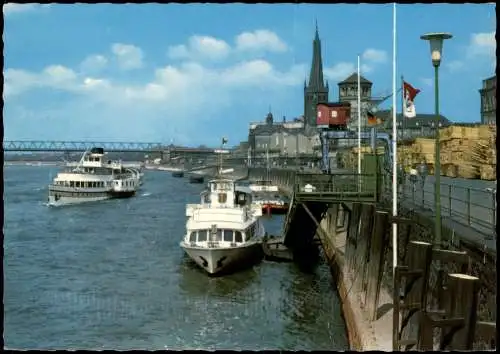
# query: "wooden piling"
419,259
331,218
340,218
463,293
376,263
352,234
362,253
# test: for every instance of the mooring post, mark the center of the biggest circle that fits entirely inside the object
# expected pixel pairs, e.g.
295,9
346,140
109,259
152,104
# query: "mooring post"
362,253
462,303
419,259
352,234
357,244
332,223
340,218
376,263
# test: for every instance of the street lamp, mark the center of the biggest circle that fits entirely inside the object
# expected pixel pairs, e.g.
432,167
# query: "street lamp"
436,43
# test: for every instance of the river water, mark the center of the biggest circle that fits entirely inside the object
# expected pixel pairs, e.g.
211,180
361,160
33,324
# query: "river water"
110,275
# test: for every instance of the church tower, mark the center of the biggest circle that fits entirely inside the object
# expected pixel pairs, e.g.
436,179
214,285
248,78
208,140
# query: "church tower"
316,92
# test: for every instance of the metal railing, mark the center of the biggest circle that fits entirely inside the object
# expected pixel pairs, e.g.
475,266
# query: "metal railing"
471,207
347,187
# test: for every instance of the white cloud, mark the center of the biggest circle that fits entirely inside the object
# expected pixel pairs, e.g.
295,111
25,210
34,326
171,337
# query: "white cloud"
374,55
481,46
94,63
54,76
343,70
11,8
180,99
426,81
152,110
200,47
370,59
260,40
206,47
129,56
455,65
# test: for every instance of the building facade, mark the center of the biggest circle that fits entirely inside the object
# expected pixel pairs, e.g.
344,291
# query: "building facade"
297,137
283,138
489,100
348,92
422,126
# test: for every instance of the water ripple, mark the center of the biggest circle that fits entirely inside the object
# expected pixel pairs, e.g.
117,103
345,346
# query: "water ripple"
111,275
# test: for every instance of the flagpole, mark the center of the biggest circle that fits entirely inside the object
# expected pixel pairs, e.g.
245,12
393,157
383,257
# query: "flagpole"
403,107
394,152
359,119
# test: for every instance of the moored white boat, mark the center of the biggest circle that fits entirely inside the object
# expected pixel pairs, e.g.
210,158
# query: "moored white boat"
224,232
92,180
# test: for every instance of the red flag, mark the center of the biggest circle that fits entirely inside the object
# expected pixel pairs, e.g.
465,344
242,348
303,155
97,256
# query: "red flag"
409,91
409,94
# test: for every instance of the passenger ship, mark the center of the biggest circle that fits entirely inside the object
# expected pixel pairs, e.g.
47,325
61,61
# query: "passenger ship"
93,179
224,231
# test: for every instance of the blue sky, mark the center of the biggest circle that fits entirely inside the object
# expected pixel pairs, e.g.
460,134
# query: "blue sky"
193,73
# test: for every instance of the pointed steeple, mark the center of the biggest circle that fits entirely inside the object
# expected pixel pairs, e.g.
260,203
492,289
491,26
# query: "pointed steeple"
316,81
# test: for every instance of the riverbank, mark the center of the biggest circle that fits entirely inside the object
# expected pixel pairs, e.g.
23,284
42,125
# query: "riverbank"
32,163
363,334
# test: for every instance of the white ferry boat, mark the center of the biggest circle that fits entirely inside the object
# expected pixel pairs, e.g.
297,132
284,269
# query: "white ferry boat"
224,231
93,179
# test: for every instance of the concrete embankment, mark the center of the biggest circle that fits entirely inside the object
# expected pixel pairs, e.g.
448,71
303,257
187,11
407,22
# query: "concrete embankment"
363,334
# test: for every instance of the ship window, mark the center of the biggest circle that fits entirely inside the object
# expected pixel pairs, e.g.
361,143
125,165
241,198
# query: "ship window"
238,237
249,233
77,183
202,235
192,236
228,235
219,235
222,198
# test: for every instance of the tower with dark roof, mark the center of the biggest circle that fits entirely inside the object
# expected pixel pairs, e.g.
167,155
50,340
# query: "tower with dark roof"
348,92
316,91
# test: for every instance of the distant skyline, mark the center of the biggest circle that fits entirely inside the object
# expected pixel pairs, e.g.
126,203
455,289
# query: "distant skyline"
193,73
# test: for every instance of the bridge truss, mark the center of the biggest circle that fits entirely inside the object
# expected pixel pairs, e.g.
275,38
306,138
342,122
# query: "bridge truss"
79,146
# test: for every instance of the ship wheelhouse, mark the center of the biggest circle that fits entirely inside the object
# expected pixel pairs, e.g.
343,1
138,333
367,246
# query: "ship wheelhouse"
221,236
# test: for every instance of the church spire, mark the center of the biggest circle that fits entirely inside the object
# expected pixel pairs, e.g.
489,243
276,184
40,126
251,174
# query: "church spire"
316,82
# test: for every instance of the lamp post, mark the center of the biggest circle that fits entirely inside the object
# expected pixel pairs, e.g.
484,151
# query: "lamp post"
436,43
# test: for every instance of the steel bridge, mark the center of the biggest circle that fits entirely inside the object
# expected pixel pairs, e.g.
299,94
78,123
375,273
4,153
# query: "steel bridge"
80,146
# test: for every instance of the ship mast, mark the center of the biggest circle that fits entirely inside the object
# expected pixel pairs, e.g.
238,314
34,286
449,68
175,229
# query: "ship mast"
80,163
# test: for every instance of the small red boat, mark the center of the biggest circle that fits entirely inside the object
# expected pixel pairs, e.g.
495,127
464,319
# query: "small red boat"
271,204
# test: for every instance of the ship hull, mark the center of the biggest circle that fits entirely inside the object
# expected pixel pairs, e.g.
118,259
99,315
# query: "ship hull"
274,209
59,198
219,261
